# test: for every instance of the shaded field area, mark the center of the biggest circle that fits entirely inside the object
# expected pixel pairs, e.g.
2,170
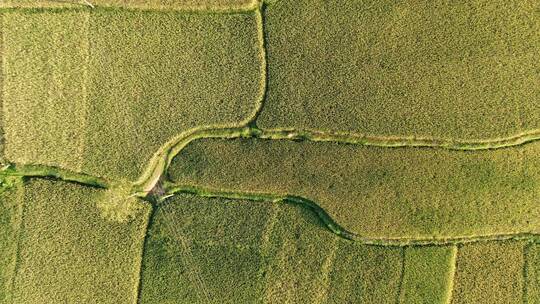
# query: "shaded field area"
198,250
371,190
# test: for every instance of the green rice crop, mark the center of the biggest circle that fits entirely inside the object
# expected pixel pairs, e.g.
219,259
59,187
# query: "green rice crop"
154,75
101,90
44,99
201,249
410,127
490,272
378,192
365,274
199,5
69,253
532,273
10,220
428,274
442,69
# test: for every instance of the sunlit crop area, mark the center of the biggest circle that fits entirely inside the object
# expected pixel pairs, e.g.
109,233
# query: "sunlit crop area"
269,151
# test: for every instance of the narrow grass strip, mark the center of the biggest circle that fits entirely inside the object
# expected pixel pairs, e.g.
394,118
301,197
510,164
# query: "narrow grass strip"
55,173
172,189
452,274
264,63
149,218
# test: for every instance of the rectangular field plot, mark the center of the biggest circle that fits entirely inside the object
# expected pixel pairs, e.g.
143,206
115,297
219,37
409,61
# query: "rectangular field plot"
490,272
428,274
102,90
44,80
201,249
378,192
154,75
69,253
440,69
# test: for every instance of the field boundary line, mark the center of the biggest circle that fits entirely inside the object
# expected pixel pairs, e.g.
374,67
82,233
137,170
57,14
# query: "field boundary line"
261,36
170,188
17,255
452,274
401,276
84,91
327,268
525,272
41,171
138,286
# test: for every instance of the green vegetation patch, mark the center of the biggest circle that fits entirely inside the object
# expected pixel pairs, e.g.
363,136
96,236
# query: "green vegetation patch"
365,274
44,99
443,69
532,273
201,249
69,253
428,274
489,272
153,75
378,192
102,90
218,5
10,221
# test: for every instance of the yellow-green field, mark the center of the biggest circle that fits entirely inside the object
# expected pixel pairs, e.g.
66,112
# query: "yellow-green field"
193,5
437,69
368,190
198,250
101,90
65,249
269,151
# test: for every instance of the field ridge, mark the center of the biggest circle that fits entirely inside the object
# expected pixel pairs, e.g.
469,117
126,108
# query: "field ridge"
170,189
161,160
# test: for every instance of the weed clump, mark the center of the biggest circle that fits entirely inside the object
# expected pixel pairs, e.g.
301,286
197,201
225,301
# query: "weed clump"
118,204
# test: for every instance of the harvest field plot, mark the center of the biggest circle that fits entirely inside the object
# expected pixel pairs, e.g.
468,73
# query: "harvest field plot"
269,151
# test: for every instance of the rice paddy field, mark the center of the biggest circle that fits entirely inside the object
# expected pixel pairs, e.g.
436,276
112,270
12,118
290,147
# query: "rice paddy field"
270,151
